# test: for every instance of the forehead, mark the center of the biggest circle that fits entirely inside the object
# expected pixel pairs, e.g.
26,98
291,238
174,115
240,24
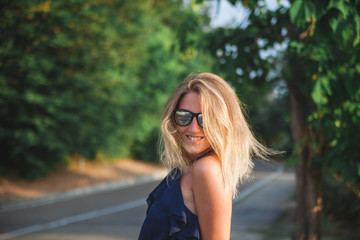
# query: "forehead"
191,101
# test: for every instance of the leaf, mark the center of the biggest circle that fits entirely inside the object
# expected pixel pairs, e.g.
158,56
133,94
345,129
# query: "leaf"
334,23
318,94
341,6
302,12
296,10
325,82
357,30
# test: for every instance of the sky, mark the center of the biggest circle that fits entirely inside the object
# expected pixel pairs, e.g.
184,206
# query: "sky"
227,15
230,16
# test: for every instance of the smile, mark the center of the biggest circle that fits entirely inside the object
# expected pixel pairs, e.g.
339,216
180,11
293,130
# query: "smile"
194,138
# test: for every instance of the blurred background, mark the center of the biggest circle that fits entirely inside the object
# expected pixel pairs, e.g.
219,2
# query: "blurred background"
87,80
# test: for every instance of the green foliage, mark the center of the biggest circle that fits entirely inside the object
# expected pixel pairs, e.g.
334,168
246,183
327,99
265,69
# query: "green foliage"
341,208
240,60
53,101
333,78
338,19
320,57
301,10
83,77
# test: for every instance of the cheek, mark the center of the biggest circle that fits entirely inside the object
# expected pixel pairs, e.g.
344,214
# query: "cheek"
181,130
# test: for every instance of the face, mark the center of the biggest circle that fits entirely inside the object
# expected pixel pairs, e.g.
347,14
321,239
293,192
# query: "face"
192,135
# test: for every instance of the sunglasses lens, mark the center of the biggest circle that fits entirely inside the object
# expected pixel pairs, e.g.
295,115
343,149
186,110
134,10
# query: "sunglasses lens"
182,118
200,120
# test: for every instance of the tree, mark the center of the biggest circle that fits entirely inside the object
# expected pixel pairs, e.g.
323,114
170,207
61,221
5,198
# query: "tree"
319,66
87,78
52,96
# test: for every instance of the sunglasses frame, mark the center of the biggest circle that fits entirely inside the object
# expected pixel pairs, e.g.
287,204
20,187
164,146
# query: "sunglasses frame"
196,115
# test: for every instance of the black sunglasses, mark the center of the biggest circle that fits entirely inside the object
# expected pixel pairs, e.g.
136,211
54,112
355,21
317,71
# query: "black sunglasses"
184,117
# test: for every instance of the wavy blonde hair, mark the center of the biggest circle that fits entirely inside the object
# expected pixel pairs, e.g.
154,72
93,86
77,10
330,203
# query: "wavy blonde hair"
225,128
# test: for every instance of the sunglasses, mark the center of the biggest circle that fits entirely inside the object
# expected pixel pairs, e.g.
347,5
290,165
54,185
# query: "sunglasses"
184,117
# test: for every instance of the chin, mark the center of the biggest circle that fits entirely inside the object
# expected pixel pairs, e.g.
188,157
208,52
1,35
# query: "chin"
196,150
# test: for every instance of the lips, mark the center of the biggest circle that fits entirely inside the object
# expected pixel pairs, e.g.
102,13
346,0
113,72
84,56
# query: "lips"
194,138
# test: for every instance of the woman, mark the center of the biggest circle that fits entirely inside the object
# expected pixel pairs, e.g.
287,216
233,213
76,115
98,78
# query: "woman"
208,147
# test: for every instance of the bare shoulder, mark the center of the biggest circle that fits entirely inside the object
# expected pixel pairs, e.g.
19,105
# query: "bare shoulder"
212,200
207,168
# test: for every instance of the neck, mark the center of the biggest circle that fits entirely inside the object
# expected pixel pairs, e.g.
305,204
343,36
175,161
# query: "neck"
205,153
193,157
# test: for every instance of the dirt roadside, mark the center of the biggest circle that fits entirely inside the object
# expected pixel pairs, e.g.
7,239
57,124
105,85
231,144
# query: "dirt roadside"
74,176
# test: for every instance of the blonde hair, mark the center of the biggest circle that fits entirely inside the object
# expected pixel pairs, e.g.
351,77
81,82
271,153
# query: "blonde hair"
225,128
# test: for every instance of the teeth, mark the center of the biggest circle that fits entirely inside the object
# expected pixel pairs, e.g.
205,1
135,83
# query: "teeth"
194,138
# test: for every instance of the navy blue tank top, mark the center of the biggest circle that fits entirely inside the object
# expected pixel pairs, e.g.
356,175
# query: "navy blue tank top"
167,217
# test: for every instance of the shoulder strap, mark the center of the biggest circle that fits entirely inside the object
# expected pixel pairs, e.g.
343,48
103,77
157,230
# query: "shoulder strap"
205,154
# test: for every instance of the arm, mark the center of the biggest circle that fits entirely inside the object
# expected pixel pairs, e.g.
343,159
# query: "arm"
213,203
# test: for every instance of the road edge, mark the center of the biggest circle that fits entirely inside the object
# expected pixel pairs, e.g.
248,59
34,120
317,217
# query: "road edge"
83,191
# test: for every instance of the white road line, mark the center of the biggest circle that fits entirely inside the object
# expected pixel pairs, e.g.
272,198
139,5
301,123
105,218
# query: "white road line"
81,192
74,219
261,183
122,207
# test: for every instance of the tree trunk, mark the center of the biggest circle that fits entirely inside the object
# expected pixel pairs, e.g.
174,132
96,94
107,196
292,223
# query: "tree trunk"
308,174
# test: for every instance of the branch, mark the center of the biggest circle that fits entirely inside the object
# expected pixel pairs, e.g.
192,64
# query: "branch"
352,188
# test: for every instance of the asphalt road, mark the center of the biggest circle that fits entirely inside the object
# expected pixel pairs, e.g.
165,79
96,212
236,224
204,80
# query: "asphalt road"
117,214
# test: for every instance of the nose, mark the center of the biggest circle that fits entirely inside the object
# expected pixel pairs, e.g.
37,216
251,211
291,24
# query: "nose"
194,126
